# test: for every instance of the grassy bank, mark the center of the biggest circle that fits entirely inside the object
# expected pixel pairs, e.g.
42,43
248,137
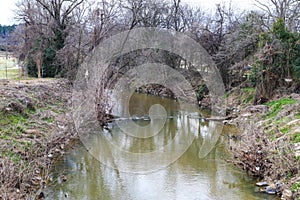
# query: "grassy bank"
270,144
35,127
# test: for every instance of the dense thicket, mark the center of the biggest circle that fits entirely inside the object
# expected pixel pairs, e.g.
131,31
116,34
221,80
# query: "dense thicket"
277,65
60,33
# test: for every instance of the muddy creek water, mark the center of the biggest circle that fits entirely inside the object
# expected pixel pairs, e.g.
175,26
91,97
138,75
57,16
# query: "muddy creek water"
201,173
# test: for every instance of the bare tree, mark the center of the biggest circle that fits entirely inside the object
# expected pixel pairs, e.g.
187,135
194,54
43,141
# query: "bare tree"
288,10
47,25
103,20
59,12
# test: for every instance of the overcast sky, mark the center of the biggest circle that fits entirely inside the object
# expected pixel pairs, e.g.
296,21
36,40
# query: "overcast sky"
6,11
7,7
241,4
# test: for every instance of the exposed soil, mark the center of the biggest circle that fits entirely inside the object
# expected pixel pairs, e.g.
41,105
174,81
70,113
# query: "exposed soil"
35,128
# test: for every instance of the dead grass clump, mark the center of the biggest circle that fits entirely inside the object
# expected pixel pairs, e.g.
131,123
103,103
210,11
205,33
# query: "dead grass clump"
35,128
265,158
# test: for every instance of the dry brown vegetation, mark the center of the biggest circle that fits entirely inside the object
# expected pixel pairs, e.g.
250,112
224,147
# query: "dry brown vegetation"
35,128
267,149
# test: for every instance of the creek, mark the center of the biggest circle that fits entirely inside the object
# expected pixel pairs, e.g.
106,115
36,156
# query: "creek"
198,171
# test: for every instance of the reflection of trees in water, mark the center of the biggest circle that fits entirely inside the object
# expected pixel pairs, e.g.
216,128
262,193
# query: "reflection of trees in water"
140,104
204,176
209,177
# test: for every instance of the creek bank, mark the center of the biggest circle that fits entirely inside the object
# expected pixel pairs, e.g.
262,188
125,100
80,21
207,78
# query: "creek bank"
191,75
156,89
35,127
269,147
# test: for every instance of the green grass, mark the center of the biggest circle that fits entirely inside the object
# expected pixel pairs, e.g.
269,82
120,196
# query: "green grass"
48,119
297,138
12,119
8,68
276,106
12,126
296,186
18,125
252,90
285,130
281,121
16,158
9,74
248,95
226,95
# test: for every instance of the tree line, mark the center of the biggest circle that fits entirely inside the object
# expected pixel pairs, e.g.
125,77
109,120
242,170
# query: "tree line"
258,47
6,39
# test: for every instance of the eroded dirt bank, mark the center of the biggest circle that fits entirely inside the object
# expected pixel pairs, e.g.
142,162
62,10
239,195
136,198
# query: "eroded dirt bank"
35,127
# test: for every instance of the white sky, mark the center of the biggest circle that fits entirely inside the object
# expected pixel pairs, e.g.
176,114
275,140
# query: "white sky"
7,7
242,4
6,11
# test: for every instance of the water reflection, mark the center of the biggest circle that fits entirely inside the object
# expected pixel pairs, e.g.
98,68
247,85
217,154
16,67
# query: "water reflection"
201,173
